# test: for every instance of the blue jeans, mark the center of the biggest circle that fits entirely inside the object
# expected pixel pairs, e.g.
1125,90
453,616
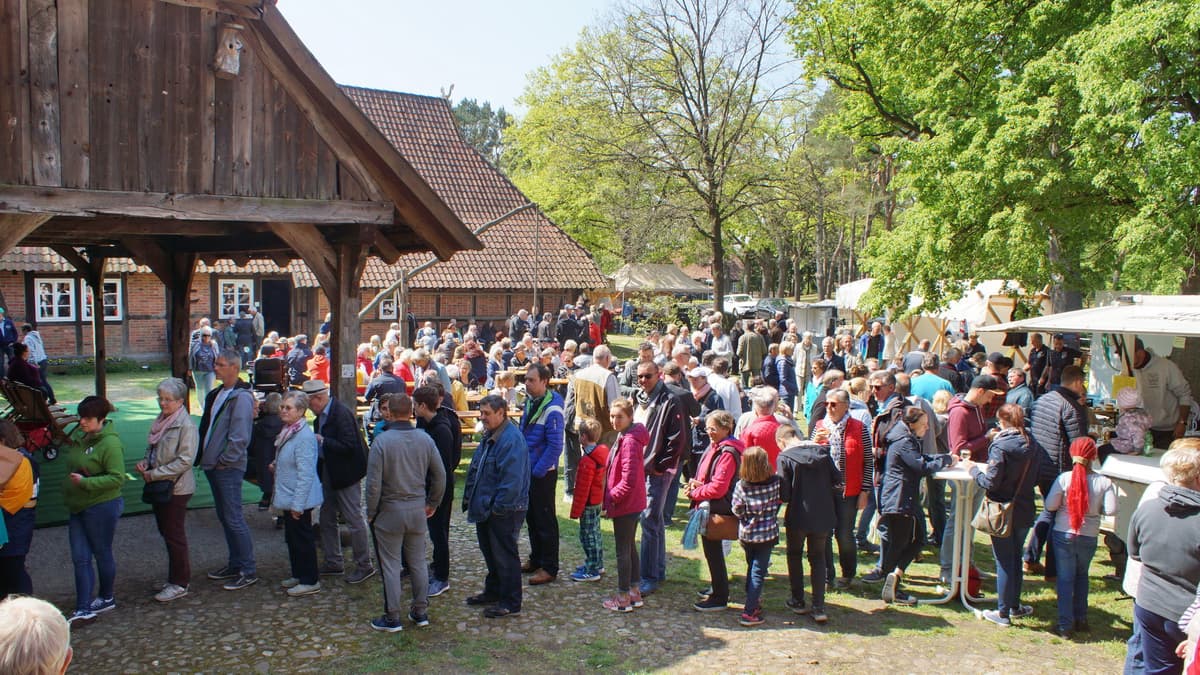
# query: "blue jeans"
227,501
498,543
1072,558
1009,573
1134,663
654,535
758,561
90,533
1160,636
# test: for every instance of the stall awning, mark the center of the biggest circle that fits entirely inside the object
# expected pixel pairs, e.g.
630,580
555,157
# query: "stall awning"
1176,315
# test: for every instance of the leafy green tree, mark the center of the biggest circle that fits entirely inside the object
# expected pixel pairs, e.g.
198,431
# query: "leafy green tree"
482,127
1044,141
663,105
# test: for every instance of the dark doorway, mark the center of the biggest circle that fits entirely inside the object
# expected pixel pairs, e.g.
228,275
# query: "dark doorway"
277,305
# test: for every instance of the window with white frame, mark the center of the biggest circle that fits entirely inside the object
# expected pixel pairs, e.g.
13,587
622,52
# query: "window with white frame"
234,297
387,307
112,300
55,299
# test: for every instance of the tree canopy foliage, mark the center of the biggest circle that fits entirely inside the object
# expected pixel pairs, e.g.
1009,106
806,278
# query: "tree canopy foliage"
482,127
651,130
1047,141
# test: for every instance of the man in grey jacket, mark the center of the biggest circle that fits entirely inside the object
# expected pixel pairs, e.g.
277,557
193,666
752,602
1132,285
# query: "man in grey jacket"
405,480
225,431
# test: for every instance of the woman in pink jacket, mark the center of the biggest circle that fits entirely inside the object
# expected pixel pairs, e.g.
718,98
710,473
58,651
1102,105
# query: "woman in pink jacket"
713,483
625,499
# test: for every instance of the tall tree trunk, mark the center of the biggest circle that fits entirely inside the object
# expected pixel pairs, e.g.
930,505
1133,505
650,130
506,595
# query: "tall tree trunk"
718,251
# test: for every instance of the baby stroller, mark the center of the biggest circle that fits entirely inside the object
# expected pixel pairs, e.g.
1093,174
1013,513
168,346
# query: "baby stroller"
46,427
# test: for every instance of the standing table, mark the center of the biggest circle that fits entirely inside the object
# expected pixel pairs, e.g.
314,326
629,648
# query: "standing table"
963,538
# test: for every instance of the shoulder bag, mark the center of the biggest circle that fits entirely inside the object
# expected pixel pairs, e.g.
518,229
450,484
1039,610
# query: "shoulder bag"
158,491
995,518
722,524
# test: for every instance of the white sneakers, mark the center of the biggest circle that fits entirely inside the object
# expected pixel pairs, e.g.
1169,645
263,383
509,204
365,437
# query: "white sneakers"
171,592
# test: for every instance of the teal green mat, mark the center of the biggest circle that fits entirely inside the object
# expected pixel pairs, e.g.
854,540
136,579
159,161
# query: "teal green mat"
132,420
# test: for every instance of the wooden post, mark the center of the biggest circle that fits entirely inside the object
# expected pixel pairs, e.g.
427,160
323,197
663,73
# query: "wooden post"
92,269
345,299
179,309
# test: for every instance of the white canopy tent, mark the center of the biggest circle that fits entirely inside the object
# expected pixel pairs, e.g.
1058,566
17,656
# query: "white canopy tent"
988,302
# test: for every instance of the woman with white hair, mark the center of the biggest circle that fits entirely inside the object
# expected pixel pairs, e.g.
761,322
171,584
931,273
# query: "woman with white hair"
1163,536
170,452
297,492
34,638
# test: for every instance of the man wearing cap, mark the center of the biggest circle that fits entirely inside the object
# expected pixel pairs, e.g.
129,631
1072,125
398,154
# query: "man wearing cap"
1167,395
341,464
967,433
997,365
8,338
1059,417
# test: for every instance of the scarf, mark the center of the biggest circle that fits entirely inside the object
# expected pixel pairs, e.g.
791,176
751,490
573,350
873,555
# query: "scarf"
700,393
164,422
837,436
290,430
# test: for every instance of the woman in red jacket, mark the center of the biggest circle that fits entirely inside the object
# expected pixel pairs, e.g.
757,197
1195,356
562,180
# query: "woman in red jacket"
713,483
625,499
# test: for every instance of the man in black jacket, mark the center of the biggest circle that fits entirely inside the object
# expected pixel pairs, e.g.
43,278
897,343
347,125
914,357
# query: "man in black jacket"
664,417
1058,418
443,426
341,464
297,360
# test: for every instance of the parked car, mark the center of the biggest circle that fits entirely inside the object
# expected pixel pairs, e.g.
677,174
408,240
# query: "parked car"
766,308
737,304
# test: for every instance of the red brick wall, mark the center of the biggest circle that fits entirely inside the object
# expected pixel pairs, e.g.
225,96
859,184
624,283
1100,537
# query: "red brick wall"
12,285
457,306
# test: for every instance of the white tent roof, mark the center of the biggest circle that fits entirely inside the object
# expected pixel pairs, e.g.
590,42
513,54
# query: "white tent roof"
1140,314
971,307
655,278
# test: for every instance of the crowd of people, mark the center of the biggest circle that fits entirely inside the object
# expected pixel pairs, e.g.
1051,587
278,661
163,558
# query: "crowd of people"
715,414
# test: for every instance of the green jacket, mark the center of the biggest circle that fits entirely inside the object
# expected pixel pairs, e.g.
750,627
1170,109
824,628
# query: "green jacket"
100,457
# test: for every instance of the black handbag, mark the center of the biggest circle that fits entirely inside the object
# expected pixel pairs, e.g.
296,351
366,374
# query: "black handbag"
158,491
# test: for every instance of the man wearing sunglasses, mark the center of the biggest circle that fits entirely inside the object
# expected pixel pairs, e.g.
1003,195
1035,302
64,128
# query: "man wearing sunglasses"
663,415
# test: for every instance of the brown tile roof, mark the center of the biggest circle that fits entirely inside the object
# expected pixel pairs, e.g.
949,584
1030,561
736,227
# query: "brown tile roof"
423,129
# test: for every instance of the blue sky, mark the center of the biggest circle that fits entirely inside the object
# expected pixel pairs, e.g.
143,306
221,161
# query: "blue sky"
484,48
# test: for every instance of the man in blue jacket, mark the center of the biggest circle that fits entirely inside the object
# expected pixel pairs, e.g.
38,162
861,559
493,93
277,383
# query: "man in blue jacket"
542,426
495,497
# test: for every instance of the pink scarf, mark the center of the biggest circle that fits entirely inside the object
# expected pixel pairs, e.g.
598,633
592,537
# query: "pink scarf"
164,422
289,431
700,393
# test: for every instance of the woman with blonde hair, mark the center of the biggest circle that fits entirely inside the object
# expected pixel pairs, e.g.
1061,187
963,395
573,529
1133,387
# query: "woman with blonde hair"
34,638
1162,536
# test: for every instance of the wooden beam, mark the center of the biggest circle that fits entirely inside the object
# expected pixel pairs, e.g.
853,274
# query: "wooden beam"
151,254
72,256
386,250
15,227
43,83
179,309
314,250
99,227
247,9
88,203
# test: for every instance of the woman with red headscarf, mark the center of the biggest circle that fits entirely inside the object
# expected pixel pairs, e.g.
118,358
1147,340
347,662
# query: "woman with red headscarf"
1078,498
